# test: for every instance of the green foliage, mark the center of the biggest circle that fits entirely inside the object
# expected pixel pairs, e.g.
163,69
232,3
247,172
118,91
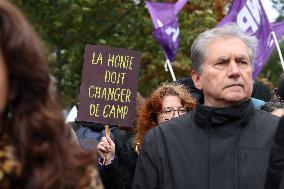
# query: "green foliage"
273,68
67,25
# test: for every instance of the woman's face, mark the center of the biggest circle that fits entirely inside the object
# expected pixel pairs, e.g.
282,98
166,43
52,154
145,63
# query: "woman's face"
171,107
3,85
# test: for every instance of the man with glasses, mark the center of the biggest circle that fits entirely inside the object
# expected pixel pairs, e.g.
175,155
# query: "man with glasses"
225,142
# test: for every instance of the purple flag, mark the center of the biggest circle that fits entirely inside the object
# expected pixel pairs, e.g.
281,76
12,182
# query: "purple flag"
164,17
168,38
250,16
278,28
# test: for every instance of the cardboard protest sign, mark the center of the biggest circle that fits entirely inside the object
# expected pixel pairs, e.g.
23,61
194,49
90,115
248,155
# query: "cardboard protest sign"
109,85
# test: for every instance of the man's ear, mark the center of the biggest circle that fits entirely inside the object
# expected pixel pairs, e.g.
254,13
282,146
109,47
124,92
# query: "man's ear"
196,79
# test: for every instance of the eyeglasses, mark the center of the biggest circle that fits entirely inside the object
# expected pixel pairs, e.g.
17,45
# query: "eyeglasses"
171,111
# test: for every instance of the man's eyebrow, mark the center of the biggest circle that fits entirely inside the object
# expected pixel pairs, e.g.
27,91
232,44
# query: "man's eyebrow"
241,58
222,58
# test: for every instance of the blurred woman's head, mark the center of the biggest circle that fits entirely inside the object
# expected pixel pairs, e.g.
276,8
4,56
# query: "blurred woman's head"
25,63
29,117
26,76
164,103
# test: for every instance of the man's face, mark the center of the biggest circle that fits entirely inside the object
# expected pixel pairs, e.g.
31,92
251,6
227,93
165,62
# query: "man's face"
226,76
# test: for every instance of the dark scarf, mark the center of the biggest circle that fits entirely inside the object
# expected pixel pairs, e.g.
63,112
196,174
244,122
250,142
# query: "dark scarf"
239,114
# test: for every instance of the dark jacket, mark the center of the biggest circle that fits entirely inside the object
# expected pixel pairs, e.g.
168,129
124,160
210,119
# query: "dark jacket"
275,172
119,174
112,175
209,148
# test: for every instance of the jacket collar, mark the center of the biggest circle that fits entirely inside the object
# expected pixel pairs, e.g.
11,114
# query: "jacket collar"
216,117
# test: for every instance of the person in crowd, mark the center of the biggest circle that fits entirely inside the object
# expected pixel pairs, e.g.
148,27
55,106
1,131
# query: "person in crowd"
225,141
276,104
188,83
35,150
140,101
280,87
275,171
164,103
261,91
89,134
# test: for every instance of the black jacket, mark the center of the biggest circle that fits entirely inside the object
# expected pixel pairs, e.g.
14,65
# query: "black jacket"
113,173
120,173
275,172
210,148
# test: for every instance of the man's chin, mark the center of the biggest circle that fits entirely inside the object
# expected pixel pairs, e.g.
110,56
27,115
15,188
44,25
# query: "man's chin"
236,98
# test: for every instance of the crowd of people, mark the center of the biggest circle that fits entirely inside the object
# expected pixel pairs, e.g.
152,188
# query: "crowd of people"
205,131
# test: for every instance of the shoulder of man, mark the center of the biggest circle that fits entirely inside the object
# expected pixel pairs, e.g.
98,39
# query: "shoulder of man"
176,124
170,129
266,118
265,124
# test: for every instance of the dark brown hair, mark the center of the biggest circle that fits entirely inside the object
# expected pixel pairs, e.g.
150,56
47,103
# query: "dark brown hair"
148,113
48,158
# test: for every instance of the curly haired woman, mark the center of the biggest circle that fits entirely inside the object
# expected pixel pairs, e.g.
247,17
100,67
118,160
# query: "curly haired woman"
164,103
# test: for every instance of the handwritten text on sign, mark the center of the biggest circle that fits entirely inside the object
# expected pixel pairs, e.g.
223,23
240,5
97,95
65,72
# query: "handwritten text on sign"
109,85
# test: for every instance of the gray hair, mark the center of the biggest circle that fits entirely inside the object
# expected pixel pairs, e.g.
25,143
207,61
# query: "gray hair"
199,46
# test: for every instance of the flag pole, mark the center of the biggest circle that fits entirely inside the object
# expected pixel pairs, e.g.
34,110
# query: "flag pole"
278,49
169,65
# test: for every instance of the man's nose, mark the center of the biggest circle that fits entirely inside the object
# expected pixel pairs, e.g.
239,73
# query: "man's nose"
234,70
